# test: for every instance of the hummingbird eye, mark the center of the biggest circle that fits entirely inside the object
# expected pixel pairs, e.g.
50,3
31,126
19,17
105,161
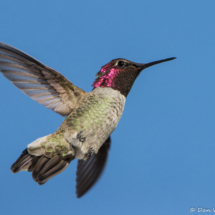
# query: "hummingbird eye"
120,64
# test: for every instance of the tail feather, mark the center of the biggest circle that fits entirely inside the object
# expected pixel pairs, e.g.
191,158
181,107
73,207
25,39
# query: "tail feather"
60,167
34,162
42,168
23,162
39,166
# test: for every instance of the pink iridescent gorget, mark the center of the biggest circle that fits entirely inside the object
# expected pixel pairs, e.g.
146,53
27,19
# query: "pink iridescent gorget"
107,80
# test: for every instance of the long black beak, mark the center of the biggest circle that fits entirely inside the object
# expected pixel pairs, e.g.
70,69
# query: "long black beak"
143,66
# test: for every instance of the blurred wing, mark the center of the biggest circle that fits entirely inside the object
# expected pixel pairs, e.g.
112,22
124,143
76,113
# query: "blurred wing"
41,83
89,171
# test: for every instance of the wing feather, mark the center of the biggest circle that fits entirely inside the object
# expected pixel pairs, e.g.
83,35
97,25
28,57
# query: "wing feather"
41,83
89,171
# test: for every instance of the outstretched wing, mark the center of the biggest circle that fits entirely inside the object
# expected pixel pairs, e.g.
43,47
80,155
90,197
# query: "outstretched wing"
41,83
89,171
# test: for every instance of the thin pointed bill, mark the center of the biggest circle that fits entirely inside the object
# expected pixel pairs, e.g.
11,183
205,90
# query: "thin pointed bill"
143,66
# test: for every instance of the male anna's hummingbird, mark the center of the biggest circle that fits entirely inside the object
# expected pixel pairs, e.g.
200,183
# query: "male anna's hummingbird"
90,117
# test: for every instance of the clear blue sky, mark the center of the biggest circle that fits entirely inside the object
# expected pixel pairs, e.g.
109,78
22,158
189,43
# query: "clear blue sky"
162,158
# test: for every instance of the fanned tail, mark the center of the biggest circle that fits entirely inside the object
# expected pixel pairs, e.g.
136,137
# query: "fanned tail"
42,167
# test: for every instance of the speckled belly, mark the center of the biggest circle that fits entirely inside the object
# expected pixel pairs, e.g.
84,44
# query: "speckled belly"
88,126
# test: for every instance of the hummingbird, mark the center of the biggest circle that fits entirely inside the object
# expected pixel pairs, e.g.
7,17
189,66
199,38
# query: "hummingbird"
90,117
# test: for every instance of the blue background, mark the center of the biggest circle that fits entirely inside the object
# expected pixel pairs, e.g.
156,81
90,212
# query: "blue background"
162,155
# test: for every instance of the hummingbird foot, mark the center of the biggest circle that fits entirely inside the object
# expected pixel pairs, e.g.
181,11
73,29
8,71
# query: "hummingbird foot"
80,137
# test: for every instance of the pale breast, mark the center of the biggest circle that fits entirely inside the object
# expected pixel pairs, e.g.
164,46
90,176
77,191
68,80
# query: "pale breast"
94,120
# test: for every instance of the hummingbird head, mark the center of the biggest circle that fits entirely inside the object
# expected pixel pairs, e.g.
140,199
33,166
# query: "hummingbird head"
120,74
